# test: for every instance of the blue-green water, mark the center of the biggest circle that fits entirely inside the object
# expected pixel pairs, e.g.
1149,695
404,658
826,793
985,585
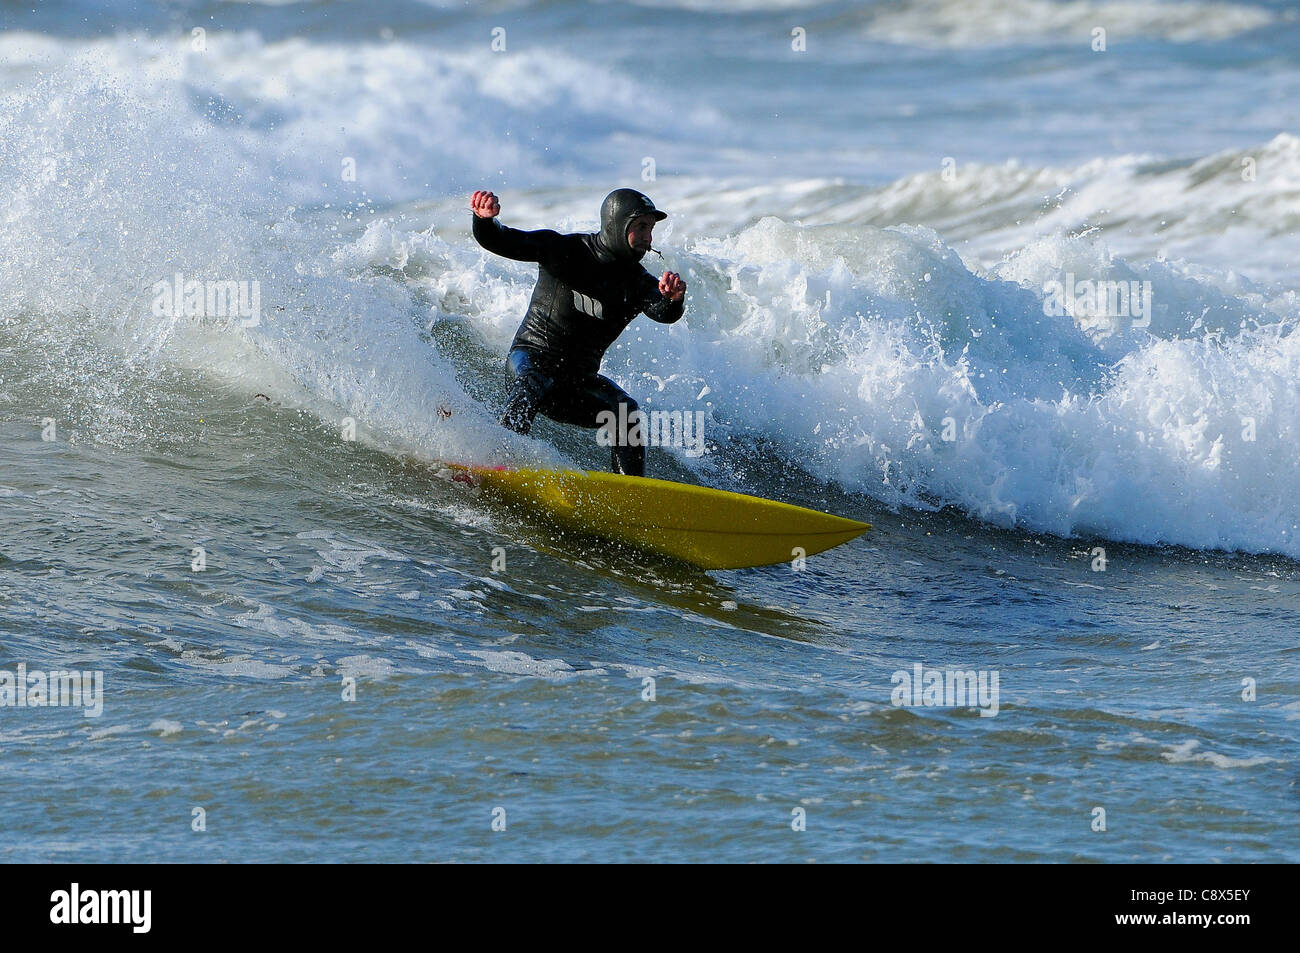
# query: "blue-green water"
525,689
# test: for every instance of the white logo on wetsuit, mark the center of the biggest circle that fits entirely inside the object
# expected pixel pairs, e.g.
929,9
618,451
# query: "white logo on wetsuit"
588,305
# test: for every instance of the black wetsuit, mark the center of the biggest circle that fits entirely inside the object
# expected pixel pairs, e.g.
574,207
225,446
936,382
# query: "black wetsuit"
588,290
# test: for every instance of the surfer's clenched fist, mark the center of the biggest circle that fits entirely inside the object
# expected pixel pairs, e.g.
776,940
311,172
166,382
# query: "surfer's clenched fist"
485,204
671,286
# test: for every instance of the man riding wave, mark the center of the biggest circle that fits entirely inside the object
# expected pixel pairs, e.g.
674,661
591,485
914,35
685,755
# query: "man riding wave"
589,288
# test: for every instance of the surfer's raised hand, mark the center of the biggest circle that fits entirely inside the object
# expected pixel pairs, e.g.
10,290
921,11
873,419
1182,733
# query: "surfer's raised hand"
485,204
671,286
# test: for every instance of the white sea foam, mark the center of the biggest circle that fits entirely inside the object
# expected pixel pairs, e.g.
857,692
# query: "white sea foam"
812,333
970,23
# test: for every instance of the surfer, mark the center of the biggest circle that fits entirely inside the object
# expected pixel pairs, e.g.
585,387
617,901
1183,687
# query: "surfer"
589,288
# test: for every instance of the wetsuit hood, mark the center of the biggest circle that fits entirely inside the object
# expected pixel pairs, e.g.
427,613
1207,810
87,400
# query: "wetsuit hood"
616,213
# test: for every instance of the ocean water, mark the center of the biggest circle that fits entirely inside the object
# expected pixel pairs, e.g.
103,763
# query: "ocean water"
308,646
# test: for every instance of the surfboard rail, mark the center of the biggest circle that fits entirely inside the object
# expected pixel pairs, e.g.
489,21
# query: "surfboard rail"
711,529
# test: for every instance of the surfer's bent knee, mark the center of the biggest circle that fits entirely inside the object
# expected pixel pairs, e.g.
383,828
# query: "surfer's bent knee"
527,393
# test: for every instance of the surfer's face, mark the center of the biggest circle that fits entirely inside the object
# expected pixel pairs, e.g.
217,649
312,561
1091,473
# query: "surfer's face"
639,232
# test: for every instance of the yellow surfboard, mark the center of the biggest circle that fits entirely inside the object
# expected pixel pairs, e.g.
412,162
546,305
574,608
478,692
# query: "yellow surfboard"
712,529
